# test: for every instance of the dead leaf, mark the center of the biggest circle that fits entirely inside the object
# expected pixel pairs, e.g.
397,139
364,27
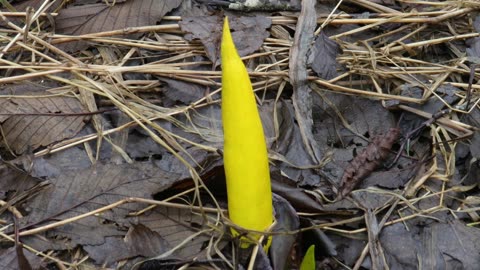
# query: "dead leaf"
42,243
23,131
139,241
53,165
208,30
473,165
364,117
474,119
473,49
341,120
80,191
22,260
286,220
94,18
289,149
184,92
317,237
248,32
289,142
297,197
371,200
325,53
145,242
446,245
35,4
8,260
112,250
391,179
175,225
14,179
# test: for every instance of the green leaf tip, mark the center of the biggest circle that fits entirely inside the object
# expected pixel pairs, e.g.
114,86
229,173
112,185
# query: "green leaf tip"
308,262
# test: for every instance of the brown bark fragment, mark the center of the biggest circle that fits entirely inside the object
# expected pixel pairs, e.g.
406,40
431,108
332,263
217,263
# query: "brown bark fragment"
367,161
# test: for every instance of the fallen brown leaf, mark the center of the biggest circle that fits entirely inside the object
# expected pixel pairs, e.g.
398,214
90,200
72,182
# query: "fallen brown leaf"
94,18
23,128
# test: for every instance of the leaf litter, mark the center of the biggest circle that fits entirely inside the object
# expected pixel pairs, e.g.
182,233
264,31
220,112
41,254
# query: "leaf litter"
110,131
39,121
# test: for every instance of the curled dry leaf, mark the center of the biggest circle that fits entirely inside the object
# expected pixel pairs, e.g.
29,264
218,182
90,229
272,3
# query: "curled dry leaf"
367,161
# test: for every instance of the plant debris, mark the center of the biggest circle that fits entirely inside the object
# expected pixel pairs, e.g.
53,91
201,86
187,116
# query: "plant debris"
39,121
248,32
102,17
368,160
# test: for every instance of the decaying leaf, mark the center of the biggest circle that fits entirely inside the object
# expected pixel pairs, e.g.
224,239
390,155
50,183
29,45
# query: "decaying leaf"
139,241
473,50
248,32
286,220
289,142
14,180
324,54
181,91
174,226
318,238
8,260
80,191
474,163
441,245
393,178
22,260
34,5
297,197
94,18
145,242
112,250
340,121
22,128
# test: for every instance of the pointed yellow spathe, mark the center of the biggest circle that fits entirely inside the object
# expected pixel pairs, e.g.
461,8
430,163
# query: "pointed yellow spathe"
245,151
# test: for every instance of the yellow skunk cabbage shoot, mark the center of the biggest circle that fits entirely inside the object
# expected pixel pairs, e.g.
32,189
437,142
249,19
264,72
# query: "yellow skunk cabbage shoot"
245,151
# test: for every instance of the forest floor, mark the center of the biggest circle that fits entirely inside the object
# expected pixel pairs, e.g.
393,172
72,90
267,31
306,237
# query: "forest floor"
112,137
